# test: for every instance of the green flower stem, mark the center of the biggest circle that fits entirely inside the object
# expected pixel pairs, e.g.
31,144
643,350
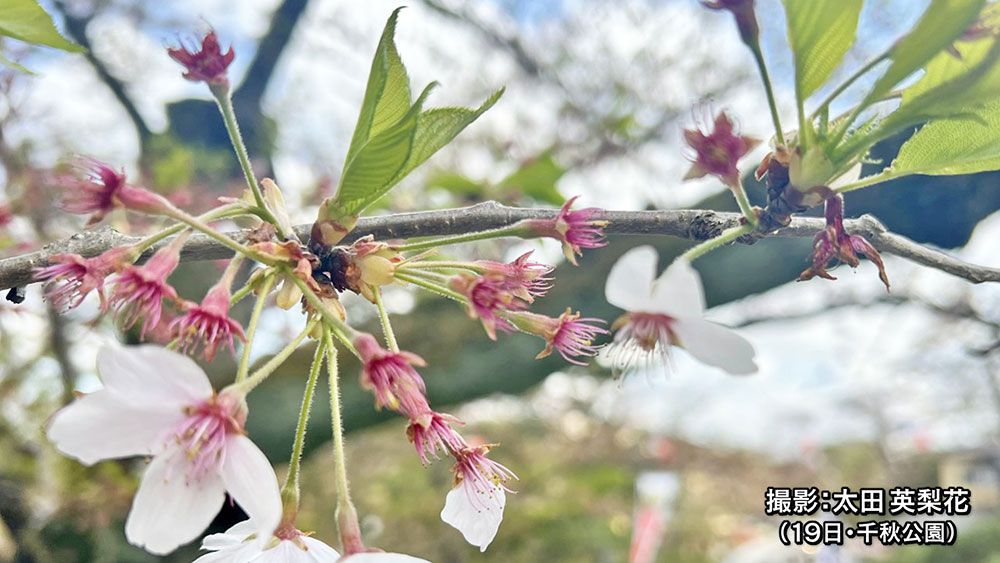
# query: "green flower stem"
344,332
885,176
290,490
744,203
217,213
265,290
442,265
225,102
347,516
255,379
419,280
727,236
515,230
850,80
758,57
239,294
383,316
199,225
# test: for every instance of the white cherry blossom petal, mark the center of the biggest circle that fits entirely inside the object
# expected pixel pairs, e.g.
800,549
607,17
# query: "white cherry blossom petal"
285,552
169,510
319,552
629,281
250,480
234,536
99,426
716,345
474,514
153,376
678,292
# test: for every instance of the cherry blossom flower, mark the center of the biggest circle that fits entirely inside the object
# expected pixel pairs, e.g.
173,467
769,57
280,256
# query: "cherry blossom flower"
569,334
475,505
391,377
285,546
100,189
718,152
209,323
208,64
488,298
139,291
70,277
575,229
156,402
834,242
432,432
527,280
667,311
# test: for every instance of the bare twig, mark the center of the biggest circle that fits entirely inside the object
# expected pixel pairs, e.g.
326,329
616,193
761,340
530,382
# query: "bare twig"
693,224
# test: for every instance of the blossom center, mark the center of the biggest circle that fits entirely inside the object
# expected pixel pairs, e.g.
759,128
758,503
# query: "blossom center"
203,434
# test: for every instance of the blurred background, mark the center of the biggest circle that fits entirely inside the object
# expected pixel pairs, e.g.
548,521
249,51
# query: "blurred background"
857,387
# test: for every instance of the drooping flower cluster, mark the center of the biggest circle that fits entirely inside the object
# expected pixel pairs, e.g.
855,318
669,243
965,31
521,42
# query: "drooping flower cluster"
476,503
667,311
834,242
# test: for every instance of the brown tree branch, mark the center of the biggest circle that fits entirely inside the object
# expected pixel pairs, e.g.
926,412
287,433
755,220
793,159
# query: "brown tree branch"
693,224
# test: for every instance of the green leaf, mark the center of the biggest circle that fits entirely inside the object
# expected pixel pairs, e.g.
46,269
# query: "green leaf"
387,96
437,127
953,146
941,24
27,21
392,154
820,32
537,180
393,137
370,174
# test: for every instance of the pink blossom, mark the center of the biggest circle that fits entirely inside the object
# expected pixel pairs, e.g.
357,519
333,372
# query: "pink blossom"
208,64
575,229
101,189
525,279
718,152
569,334
488,298
432,432
391,377
70,277
159,403
475,505
139,291
208,324
834,242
